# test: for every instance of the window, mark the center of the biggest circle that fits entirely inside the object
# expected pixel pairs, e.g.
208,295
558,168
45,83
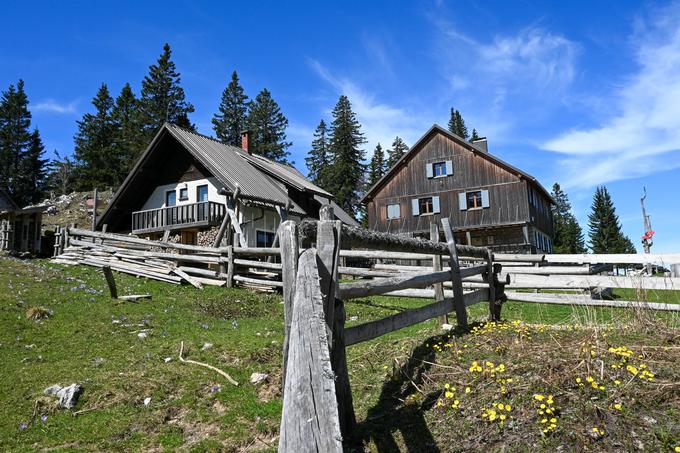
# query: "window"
170,198
425,206
202,193
393,211
183,194
439,169
265,238
474,199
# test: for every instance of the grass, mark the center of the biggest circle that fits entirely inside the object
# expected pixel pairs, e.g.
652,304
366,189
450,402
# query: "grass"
58,326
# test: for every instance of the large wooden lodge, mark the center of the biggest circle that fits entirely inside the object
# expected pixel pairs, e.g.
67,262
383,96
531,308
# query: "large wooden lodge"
488,201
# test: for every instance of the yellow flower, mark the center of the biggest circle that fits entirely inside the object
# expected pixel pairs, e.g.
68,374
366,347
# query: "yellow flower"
590,379
632,370
447,386
507,407
503,417
677,449
578,380
448,394
553,420
617,406
539,397
467,389
617,382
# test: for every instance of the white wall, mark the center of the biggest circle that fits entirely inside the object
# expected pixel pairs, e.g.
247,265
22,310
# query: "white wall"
251,223
157,198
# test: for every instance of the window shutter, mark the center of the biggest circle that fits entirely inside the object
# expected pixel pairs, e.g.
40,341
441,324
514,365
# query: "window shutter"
435,205
462,201
414,207
485,198
428,170
449,167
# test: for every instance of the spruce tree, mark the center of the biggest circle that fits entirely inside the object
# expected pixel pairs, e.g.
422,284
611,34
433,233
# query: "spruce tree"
376,168
127,144
457,124
231,118
568,234
474,136
268,128
162,98
32,172
15,138
605,231
318,158
94,144
62,175
399,148
347,174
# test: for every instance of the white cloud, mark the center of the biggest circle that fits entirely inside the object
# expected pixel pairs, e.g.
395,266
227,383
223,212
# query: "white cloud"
380,122
642,136
52,106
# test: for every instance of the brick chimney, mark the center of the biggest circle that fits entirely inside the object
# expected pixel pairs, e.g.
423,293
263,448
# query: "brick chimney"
245,141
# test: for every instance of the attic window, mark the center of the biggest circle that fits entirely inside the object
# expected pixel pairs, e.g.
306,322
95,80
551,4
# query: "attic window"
439,169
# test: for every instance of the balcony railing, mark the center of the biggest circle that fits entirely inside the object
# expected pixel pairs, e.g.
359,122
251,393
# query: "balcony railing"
206,213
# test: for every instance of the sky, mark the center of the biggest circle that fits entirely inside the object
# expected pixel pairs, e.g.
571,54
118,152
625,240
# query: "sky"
580,93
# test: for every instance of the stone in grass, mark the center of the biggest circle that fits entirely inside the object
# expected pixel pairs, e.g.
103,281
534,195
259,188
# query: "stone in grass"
68,396
258,378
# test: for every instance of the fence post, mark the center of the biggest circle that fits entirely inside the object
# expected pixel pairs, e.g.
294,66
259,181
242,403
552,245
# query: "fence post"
437,266
491,280
94,212
288,239
456,281
328,252
230,266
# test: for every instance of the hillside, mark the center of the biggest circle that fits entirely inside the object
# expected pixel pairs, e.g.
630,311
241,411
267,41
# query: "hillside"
609,377
64,210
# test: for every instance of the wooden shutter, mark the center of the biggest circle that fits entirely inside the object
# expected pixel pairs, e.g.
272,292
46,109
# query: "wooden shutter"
428,170
435,205
415,208
449,167
462,201
485,198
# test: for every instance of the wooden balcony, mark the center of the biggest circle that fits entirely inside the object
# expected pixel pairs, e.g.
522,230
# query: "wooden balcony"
204,214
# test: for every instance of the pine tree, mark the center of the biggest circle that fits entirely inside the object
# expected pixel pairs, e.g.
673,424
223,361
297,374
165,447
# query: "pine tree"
162,98
568,234
318,157
15,138
605,231
268,128
376,168
474,136
230,121
399,148
347,174
457,124
94,144
127,144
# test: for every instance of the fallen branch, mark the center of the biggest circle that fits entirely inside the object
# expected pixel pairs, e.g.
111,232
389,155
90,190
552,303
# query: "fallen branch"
182,359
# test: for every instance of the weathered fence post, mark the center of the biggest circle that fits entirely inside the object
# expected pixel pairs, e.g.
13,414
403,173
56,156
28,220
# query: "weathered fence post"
288,238
94,212
456,281
110,281
491,280
230,266
328,252
437,266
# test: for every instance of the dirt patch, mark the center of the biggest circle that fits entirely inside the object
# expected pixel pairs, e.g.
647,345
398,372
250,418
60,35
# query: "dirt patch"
238,305
272,388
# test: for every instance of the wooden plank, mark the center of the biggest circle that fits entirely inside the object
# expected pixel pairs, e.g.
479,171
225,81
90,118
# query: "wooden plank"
380,286
663,259
456,277
288,239
110,281
210,281
145,242
199,271
258,251
309,421
520,258
231,212
374,329
436,267
258,281
586,301
135,297
193,281
589,281
258,264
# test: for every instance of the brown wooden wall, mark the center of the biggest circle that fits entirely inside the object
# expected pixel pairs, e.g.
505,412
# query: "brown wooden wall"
508,196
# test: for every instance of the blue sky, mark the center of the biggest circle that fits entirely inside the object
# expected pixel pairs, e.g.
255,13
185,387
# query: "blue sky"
580,93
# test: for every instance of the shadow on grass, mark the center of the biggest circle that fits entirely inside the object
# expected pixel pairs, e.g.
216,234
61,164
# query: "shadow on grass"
372,304
398,412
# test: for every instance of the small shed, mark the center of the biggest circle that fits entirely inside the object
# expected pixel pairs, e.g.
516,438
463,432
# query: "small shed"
20,228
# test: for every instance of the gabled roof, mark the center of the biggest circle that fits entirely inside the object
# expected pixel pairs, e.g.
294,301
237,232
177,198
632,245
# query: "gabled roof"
470,146
6,202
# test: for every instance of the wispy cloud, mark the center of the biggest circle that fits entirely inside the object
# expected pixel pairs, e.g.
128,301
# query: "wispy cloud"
642,136
380,121
52,106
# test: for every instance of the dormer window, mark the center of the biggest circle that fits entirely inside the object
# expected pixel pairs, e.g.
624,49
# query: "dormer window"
439,169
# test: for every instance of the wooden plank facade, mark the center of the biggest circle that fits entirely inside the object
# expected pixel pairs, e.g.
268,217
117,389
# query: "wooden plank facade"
488,202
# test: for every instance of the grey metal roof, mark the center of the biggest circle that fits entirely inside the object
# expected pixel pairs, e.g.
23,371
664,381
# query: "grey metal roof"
467,144
230,167
285,173
340,213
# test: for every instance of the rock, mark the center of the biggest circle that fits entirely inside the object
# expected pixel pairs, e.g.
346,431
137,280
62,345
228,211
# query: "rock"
167,359
142,334
68,396
353,318
258,378
147,400
649,419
